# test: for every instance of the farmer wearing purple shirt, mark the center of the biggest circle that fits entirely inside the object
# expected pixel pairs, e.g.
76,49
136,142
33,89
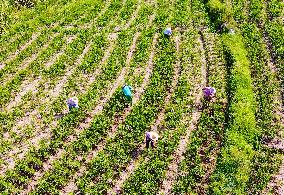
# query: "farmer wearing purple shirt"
151,138
209,92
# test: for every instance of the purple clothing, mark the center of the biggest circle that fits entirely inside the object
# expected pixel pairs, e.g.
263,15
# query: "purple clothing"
72,103
209,91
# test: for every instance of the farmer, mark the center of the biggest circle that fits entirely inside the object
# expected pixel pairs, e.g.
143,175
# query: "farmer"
72,103
168,32
209,92
151,137
127,92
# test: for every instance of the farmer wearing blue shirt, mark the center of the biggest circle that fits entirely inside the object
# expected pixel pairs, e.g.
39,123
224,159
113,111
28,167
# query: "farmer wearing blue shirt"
127,91
168,32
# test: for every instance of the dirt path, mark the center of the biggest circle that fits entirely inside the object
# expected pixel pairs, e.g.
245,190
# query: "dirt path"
217,64
69,39
86,124
23,47
172,171
134,16
276,185
71,186
134,163
277,182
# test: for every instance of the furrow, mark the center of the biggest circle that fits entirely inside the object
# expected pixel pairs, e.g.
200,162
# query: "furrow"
171,173
71,186
23,47
56,56
276,185
216,70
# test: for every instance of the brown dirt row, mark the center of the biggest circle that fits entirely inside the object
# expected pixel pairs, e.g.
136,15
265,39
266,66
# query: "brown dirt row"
277,182
23,47
212,56
276,185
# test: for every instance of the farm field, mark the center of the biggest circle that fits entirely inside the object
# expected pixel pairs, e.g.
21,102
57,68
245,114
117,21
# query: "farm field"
55,50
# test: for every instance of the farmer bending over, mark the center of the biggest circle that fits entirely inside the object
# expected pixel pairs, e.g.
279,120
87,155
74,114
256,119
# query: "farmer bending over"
209,92
151,137
168,32
127,92
72,103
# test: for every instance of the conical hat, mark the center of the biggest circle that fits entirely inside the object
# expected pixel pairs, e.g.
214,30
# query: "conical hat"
154,136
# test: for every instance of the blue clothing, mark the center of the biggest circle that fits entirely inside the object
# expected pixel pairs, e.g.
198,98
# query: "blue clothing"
73,106
72,103
127,91
168,32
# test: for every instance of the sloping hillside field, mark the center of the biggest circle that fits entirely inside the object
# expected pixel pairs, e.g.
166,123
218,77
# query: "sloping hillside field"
54,50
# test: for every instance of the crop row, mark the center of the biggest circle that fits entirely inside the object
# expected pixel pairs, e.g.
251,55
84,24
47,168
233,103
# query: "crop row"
266,89
203,150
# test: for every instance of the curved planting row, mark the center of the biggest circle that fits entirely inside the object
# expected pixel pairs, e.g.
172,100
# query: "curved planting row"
267,90
241,134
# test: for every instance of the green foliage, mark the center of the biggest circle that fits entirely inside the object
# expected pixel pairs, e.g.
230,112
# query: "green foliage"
241,135
220,13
